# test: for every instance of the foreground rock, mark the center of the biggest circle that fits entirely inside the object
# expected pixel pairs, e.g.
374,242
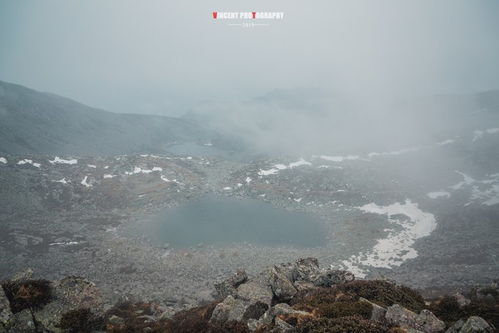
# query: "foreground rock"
71,293
474,324
424,321
293,297
5,312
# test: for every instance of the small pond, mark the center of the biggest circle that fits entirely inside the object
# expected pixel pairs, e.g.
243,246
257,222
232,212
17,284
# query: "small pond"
223,221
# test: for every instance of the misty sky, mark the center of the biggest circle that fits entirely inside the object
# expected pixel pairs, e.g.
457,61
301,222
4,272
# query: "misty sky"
169,56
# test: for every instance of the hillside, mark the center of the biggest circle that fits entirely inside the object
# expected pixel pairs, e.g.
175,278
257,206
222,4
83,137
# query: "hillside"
36,122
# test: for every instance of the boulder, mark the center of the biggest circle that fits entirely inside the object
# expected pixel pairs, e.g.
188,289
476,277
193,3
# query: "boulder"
237,309
461,300
284,309
5,312
429,322
228,286
307,274
305,268
27,274
280,309
329,278
476,324
425,321
378,312
280,326
456,327
282,288
489,293
23,322
303,285
255,291
70,293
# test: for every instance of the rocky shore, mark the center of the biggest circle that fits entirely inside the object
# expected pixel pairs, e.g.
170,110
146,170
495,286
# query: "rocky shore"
291,297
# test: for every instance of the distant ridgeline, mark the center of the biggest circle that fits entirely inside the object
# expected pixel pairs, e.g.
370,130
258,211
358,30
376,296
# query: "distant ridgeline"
36,122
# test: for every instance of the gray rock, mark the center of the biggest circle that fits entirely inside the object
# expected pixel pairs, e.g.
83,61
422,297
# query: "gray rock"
305,268
23,322
70,293
281,286
255,291
24,275
303,285
270,315
283,327
238,309
476,324
461,300
5,312
425,321
328,278
455,327
116,321
429,322
378,312
228,286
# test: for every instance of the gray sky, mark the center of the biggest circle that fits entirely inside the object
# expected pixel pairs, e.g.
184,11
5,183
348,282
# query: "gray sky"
170,55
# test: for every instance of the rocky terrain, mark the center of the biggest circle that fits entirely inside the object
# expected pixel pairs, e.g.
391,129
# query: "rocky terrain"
87,216
424,216
292,297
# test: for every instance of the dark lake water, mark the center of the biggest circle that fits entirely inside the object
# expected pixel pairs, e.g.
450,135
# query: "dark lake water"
213,220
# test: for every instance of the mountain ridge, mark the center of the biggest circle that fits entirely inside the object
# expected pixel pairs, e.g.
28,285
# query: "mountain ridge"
39,122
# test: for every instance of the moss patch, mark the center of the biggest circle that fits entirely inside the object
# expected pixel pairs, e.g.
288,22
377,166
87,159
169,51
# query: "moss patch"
384,293
27,294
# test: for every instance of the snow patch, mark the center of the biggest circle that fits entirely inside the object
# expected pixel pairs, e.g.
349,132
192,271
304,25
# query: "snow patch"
446,142
339,158
58,160
108,176
85,183
91,166
392,153
26,161
3,160
301,162
138,170
438,194
397,247
64,243
278,167
62,181
466,181
478,134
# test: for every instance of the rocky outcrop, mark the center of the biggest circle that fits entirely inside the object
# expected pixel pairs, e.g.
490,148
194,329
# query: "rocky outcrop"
228,286
236,309
293,297
70,293
250,300
424,321
39,305
5,312
377,313
476,324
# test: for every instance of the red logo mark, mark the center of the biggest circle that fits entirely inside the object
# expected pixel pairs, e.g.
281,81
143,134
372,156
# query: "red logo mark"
254,15
215,15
